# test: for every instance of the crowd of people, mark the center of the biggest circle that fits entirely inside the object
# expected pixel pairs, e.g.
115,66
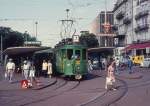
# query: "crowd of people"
112,67
28,70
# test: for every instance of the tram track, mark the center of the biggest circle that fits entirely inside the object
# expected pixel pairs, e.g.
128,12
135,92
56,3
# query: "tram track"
122,90
55,93
102,99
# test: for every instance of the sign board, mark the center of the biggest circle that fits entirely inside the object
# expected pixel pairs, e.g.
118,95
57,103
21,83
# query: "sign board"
24,84
75,38
107,27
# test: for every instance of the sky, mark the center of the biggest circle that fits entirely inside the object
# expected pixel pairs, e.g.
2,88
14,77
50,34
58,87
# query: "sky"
21,15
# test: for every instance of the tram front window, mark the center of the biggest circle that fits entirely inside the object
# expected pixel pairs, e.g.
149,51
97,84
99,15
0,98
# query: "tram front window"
69,53
77,54
84,54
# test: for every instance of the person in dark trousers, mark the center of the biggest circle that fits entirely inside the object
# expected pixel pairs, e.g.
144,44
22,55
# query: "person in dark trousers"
130,64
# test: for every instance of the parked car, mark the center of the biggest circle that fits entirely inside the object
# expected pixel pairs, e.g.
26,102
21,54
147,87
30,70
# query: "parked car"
145,63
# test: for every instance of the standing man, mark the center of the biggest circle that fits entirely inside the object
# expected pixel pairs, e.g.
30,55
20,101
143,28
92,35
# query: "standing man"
117,65
26,69
10,68
44,68
90,68
130,64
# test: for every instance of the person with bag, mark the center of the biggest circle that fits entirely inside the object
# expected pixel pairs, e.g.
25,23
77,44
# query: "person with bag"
10,68
110,79
49,67
32,74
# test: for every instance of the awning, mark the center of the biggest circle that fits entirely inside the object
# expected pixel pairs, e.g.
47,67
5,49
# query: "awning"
138,46
100,49
21,50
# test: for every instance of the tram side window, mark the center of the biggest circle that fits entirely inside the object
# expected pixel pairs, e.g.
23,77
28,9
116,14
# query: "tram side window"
69,53
77,54
84,54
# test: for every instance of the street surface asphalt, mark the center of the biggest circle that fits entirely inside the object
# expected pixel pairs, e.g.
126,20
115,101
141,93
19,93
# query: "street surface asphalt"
132,90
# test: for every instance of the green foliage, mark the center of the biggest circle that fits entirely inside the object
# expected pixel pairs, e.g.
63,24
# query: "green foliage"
13,38
89,40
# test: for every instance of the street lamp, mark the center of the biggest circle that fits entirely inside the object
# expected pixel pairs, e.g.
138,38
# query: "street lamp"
1,49
36,29
25,38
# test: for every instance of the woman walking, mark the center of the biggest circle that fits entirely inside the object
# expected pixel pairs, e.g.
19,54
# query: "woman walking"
110,79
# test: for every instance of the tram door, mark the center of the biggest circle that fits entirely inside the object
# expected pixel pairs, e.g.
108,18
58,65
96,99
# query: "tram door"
69,62
63,59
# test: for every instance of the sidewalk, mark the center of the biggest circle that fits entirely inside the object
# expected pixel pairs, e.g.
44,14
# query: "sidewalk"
16,84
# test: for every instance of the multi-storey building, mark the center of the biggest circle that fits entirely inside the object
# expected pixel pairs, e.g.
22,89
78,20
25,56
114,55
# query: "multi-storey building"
102,28
132,19
98,27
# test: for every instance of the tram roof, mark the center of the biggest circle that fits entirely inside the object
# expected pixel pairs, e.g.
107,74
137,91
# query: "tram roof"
21,50
72,46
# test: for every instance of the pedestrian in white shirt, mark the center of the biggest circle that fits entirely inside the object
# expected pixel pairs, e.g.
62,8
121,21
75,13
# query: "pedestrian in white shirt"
44,68
26,69
32,73
49,67
10,68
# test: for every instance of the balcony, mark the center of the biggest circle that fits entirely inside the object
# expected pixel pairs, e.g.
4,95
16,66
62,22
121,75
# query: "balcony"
114,27
141,1
127,21
117,5
141,14
120,15
120,45
140,28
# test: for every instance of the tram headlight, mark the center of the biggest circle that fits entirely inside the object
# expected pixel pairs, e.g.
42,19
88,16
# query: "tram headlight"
78,68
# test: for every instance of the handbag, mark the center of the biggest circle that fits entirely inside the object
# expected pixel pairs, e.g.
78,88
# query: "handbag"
109,81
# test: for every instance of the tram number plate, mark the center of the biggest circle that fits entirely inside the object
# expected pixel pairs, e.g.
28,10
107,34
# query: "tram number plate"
78,62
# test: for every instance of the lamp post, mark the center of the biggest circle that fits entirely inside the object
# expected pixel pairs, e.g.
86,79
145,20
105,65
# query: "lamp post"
25,38
1,49
36,29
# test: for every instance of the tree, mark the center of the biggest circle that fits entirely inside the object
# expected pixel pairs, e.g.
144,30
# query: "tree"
13,38
89,40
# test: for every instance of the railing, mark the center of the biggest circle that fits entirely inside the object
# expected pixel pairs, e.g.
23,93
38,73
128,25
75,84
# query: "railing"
120,15
127,21
141,28
141,14
117,5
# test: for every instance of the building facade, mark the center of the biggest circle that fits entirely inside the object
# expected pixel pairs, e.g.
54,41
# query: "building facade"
102,28
131,21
